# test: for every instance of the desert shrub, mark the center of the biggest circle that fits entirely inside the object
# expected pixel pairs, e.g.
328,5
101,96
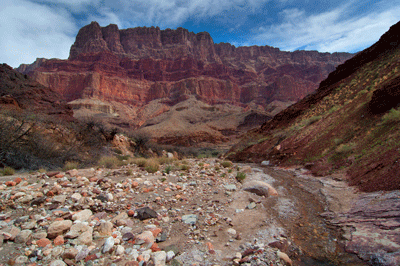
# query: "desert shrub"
152,166
165,160
42,170
168,169
393,116
141,162
226,164
337,141
109,162
129,172
206,153
24,143
93,133
70,165
141,141
240,176
363,92
333,109
118,151
122,157
8,171
344,148
185,167
311,120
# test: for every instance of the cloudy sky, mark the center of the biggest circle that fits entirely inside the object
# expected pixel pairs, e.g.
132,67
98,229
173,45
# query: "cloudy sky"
47,28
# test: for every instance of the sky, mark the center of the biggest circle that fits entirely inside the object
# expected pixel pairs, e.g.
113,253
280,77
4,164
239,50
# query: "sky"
31,29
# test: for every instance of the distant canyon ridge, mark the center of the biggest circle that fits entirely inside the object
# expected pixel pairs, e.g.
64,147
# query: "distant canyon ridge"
176,86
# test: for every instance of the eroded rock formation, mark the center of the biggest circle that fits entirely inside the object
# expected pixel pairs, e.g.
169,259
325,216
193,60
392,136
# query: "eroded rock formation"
137,66
142,64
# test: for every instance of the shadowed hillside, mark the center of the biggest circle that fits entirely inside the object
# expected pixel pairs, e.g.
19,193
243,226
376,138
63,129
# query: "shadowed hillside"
349,125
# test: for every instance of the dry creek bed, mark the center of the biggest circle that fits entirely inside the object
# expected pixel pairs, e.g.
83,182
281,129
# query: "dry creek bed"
201,216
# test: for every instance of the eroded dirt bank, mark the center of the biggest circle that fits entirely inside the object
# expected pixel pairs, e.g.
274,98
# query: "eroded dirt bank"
197,215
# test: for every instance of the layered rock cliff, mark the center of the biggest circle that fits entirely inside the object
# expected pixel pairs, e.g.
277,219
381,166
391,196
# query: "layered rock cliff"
140,65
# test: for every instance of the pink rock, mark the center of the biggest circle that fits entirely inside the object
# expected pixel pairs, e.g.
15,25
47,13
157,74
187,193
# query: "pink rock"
43,242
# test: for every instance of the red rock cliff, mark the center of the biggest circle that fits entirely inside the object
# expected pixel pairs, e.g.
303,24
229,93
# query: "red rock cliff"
137,65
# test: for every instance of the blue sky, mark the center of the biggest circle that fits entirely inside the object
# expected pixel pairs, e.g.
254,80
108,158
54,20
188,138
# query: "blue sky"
47,28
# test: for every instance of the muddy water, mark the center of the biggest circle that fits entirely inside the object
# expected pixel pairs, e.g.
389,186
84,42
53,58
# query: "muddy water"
298,208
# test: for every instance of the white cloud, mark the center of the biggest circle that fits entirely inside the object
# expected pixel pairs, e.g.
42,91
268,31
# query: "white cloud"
31,30
171,13
338,30
76,5
105,18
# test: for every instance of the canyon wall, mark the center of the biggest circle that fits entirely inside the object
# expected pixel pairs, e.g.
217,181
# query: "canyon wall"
137,65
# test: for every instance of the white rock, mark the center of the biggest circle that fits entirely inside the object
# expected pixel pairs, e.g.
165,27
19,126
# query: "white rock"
170,255
134,253
83,215
159,258
60,198
265,163
260,188
231,231
19,194
76,196
108,245
284,257
120,250
146,255
110,197
238,255
57,263
21,259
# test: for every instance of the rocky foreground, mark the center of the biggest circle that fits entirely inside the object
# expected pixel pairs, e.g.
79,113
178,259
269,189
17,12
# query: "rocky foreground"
196,214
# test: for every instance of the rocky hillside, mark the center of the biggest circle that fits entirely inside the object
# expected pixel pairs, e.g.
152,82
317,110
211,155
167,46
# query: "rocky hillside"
350,124
37,127
141,73
20,92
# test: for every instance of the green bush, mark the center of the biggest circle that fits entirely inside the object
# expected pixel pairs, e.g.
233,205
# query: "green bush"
8,171
227,164
168,169
392,116
109,162
333,109
141,162
164,160
152,166
185,167
70,166
344,148
122,157
240,176
311,120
